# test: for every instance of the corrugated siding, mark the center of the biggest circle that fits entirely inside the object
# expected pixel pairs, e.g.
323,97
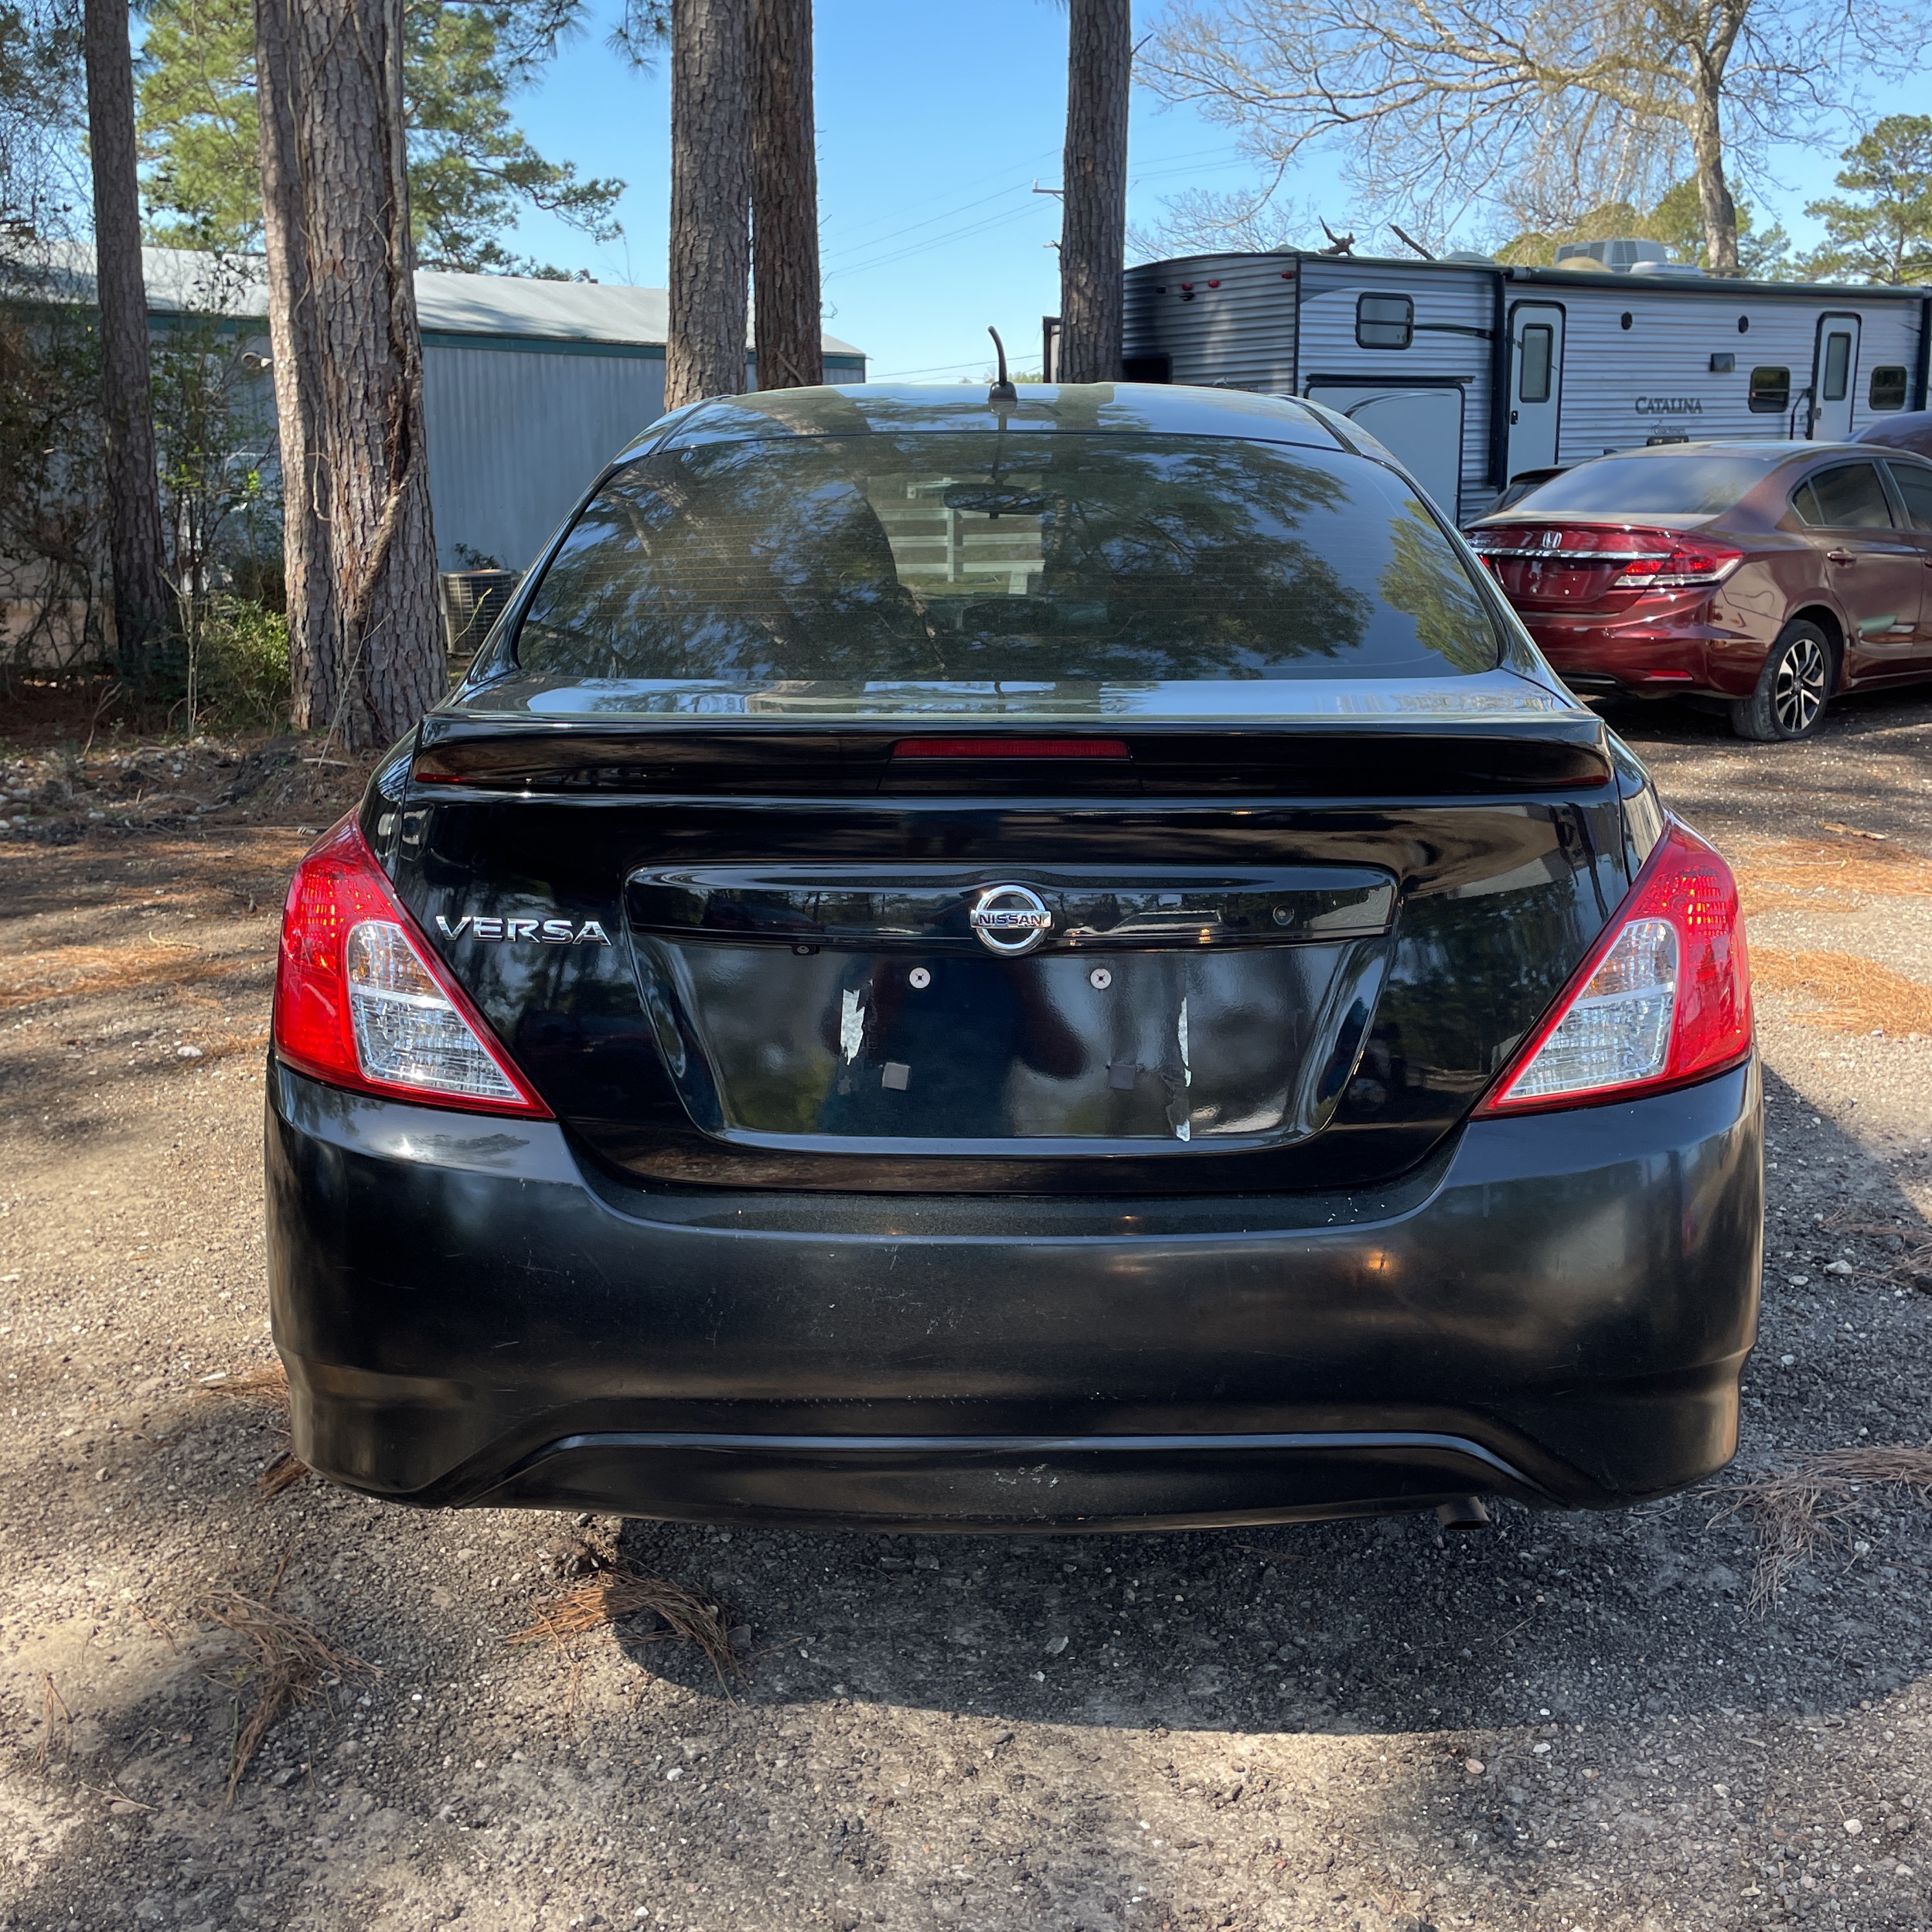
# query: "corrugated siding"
1223,319
1664,359
517,433
515,439
1448,302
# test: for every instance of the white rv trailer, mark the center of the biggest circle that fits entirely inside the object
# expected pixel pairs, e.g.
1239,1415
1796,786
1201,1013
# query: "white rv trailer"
1472,373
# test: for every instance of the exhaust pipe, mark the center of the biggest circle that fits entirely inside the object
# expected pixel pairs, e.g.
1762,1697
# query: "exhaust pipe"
1465,1513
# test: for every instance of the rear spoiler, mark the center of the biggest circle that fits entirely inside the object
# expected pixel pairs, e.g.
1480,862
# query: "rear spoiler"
1426,758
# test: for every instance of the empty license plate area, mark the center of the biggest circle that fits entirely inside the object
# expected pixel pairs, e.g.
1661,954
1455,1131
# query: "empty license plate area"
1144,1010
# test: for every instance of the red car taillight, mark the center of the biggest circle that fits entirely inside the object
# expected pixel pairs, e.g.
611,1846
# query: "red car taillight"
361,1000
1663,997
1644,559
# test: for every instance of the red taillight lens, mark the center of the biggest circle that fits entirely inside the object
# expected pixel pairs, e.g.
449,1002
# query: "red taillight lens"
1663,999
1643,560
361,1000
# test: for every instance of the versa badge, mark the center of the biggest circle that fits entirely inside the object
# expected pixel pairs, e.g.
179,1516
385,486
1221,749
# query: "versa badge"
548,932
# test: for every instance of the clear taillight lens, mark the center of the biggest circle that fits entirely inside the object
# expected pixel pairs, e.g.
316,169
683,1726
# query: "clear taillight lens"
1618,1028
407,1032
1663,999
361,1003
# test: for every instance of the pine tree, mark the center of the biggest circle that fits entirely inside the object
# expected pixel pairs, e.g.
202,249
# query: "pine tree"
133,483
1094,226
704,349
786,300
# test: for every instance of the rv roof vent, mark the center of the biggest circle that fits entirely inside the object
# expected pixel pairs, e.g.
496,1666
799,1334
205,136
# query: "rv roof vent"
1665,268
1619,254
1474,256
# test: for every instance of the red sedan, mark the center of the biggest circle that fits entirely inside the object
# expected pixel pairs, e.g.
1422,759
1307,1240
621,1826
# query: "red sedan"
1764,576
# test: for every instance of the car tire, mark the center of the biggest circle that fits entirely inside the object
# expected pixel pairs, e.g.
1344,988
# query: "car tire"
1792,689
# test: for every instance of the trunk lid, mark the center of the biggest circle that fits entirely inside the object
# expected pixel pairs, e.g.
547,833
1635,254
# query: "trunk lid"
1211,957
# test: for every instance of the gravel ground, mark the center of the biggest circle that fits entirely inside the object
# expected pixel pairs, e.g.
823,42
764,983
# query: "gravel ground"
1565,1721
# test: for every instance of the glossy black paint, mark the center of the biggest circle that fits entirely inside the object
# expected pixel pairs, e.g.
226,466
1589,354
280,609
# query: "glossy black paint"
1500,895
1258,1266
476,1310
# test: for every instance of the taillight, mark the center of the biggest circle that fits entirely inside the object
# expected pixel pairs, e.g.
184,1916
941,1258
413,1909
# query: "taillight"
361,1000
1663,999
1645,560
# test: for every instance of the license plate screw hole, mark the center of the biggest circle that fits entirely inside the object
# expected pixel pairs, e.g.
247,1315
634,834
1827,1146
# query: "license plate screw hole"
1100,979
919,979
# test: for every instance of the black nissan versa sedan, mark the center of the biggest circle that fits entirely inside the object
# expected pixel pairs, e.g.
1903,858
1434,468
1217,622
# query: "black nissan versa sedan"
1039,960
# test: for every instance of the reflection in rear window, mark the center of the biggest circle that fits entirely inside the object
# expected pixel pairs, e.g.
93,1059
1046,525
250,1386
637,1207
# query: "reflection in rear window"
992,556
1669,485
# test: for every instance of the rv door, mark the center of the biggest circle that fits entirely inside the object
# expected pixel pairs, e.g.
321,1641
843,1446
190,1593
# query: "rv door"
1835,375
1536,384
1421,428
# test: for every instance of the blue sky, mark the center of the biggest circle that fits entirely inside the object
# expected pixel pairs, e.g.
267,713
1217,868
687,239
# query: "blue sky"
934,123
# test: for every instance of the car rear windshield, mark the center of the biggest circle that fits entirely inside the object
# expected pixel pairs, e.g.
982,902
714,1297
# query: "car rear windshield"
1663,485
972,556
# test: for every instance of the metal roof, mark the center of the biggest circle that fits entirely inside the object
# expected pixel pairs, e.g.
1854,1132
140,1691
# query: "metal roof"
187,281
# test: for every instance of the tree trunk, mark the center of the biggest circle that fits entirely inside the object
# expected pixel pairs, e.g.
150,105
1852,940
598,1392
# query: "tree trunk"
134,483
704,349
784,199
1093,233
1714,201
380,663
295,361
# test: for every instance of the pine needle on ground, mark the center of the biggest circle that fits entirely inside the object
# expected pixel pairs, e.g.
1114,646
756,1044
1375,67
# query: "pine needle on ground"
617,1592
284,1659
268,1383
1805,1509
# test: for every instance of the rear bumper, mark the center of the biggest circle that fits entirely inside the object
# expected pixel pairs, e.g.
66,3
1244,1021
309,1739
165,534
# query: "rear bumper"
1555,1308
1686,653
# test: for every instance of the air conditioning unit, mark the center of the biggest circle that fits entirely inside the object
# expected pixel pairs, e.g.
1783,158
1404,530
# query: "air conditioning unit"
472,601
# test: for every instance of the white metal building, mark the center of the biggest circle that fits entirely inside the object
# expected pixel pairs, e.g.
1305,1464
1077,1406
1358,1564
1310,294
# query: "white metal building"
530,387
1472,373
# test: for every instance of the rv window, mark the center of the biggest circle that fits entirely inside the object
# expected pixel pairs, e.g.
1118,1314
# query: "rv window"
1888,386
1384,321
1771,391
1838,365
1849,496
1539,354
1915,484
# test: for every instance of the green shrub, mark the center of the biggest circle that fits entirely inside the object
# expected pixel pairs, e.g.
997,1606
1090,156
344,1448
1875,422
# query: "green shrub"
240,666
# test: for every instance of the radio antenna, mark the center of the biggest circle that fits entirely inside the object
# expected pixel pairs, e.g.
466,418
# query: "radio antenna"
1002,391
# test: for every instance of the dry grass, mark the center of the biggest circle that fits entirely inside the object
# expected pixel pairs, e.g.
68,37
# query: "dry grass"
1833,873
1805,1509
615,1594
284,1659
1853,995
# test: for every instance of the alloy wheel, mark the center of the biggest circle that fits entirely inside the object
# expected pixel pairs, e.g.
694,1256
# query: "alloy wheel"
1797,690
